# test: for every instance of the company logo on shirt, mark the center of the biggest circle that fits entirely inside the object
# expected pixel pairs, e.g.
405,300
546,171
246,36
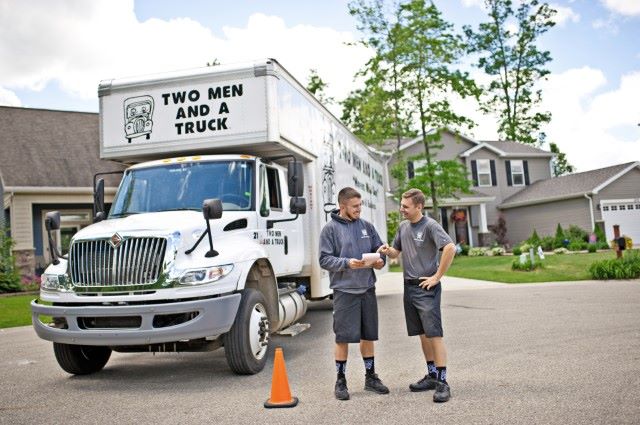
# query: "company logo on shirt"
364,233
418,237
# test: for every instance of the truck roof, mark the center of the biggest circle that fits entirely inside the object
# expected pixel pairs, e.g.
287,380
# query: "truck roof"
194,158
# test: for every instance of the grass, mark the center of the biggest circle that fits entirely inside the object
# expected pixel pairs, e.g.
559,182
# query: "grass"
556,268
15,310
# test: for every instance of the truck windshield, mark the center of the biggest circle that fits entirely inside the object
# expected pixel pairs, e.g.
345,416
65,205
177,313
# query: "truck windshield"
184,186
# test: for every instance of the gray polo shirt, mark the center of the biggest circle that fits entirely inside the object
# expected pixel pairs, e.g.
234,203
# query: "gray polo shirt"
420,243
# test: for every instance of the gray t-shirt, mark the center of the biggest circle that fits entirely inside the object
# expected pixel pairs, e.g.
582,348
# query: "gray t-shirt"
420,243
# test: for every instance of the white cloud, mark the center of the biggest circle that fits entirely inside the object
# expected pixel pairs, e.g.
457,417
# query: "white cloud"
472,3
564,15
9,98
77,43
593,128
623,7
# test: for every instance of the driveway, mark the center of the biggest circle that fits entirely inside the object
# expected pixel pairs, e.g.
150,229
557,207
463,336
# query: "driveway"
542,353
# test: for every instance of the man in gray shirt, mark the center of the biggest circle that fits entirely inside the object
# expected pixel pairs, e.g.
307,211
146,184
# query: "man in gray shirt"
355,310
419,239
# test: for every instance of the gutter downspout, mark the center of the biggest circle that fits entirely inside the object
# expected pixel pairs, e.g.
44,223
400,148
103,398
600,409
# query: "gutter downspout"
593,223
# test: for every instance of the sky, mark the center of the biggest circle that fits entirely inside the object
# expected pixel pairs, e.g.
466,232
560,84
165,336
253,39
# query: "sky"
53,54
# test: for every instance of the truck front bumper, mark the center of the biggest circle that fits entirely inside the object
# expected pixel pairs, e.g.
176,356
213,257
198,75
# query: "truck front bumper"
215,317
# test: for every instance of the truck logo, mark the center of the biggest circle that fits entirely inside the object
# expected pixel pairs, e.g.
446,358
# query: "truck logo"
138,114
115,240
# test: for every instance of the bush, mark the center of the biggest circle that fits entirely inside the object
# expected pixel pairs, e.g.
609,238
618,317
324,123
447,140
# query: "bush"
575,233
534,239
9,275
560,250
558,240
600,236
393,221
464,249
497,251
592,248
628,267
547,243
577,245
526,266
602,245
517,251
477,252
525,247
500,230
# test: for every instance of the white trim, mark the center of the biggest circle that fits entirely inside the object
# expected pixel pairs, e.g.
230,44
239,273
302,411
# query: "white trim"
483,219
540,201
593,223
616,177
488,161
55,190
480,146
451,202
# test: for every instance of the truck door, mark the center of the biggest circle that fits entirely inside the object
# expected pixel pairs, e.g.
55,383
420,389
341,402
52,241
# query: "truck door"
283,241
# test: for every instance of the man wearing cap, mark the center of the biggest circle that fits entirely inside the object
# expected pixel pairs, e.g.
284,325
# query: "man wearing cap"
343,241
419,239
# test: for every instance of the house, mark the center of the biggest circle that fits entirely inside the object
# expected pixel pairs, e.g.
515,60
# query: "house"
515,180
47,162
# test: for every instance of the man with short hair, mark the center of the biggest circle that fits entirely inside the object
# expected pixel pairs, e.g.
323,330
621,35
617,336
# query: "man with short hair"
343,241
419,239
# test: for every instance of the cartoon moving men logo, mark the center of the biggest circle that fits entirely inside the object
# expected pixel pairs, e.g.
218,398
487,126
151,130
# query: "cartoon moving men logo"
138,114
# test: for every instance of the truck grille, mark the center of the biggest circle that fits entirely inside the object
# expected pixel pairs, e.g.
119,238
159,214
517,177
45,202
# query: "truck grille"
136,261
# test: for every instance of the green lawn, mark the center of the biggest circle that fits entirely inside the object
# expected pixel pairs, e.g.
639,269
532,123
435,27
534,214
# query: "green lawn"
498,269
15,311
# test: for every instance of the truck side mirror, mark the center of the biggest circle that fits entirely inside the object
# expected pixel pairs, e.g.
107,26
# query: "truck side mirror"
212,209
98,201
298,206
52,220
295,178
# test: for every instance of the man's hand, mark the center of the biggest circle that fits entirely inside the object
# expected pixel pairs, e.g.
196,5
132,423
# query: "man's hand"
378,264
429,282
384,249
356,264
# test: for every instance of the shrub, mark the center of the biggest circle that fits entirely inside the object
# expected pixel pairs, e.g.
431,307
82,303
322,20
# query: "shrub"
600,236
517,250
577,245
576,233
500,230
525,247
9,275
602,245
558,240
560,250
526,266
592,248
497,251
464,249
477,252
628,267
393,221
534,239
547,243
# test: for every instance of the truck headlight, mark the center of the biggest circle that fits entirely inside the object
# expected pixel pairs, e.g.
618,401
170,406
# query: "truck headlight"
49,281
206,275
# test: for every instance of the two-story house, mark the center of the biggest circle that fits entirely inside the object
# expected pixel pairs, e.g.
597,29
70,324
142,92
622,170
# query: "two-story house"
515,180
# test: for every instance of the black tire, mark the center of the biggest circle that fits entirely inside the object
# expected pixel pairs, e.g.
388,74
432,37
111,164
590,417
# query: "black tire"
242,357
81,359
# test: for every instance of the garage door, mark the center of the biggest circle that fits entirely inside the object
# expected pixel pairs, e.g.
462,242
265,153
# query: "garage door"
625,213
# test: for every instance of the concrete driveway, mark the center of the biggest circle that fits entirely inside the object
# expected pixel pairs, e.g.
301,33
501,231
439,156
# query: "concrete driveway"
559,353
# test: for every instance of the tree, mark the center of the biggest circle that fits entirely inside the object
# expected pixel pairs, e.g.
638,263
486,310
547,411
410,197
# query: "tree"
560,163
9,274
317,87
515,64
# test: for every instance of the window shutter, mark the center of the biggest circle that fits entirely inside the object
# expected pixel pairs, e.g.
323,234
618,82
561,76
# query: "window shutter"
410,171
525,165
509,180
494,180
474,172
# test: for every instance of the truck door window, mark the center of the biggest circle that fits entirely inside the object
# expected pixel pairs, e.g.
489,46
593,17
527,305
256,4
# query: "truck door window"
275,198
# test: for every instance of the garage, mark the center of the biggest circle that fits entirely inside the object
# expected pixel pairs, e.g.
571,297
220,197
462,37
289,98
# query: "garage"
626,214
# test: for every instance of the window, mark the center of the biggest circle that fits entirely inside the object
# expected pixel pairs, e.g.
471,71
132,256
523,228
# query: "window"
622,208
605,208
638,206
484,172
517,173
275,198
614,208
630,206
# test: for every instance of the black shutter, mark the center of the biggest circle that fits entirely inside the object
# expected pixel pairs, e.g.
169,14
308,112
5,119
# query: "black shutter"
494,180
525,165
509,180
474,172
410,171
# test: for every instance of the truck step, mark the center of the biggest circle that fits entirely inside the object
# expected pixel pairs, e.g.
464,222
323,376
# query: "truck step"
294,330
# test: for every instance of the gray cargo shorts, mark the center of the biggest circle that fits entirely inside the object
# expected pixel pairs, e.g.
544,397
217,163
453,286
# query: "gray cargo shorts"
422,309
355,316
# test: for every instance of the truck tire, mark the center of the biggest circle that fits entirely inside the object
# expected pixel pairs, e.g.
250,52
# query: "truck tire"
247,343
81,359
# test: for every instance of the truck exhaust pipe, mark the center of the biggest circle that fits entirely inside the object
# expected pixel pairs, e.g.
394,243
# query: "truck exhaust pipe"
291,306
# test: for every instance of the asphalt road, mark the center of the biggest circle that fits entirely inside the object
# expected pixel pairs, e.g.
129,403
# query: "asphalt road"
546,353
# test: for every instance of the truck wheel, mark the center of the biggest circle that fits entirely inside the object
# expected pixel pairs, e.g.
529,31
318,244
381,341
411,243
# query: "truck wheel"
81,359
246,344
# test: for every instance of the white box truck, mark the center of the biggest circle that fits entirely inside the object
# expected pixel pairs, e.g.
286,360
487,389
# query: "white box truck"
212,237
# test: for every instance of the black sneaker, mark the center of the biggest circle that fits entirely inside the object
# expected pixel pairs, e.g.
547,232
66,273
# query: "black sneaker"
341,391
373,383
425,384
443,392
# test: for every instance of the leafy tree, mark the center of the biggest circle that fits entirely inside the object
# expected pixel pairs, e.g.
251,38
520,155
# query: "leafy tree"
317,87
560,163
500,230
558,241
515,63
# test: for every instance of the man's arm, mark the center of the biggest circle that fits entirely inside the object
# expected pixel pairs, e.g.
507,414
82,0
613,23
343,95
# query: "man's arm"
389,251
330,262
448,252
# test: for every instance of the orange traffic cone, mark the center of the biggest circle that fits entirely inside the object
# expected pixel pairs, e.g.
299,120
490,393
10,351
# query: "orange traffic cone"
280,393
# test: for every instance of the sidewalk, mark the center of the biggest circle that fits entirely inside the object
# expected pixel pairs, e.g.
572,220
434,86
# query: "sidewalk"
391,283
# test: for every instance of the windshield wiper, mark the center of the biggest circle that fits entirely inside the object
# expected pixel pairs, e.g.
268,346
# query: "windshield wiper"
126,214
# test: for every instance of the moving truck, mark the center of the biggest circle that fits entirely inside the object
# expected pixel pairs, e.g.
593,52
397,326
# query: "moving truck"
212,237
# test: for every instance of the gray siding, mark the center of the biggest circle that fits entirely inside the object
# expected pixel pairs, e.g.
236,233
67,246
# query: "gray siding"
626,187
544,218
